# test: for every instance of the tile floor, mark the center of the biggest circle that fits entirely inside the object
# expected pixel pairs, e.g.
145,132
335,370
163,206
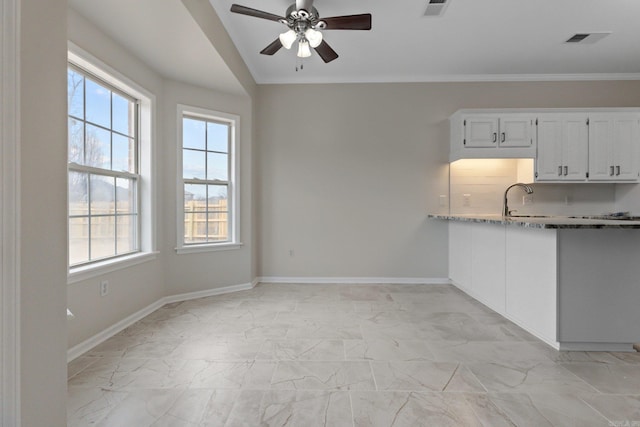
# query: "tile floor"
345,355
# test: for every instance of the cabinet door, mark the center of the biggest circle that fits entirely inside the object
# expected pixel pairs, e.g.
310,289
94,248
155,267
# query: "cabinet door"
626,134
601,163
549,158
516,132
488,265
575,149
481,132
460,254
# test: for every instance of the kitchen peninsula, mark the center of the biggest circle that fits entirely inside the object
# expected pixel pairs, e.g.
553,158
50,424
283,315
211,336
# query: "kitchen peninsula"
574,282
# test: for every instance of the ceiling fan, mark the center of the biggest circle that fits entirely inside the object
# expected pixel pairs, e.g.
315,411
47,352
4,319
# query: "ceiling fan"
305,25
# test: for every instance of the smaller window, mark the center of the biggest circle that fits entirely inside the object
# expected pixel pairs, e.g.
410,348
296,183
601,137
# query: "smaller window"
208,173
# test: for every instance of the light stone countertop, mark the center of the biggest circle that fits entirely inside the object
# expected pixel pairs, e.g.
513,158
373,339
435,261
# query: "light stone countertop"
545,221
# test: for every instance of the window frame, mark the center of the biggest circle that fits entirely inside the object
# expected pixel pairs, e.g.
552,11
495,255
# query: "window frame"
233,181
145,198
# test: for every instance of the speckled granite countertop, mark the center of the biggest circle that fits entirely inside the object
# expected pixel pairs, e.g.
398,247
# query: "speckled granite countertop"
545,221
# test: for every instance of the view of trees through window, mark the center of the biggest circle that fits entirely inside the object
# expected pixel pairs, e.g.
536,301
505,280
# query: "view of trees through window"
103,170
205,172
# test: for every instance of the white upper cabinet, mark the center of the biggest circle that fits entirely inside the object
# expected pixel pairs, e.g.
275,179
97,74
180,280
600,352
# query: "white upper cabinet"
563,141
613,147
492,135
569,145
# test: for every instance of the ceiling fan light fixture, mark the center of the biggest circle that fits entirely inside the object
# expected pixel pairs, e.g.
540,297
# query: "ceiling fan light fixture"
314,37
288,38
303,49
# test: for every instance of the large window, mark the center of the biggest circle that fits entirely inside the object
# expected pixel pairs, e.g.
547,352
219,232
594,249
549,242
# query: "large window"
104,175
208,178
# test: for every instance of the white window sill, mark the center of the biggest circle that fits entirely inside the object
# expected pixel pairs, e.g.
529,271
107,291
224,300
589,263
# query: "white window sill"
194,249
78,274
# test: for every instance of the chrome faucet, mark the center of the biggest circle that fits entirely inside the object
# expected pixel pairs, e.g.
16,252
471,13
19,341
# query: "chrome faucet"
505,208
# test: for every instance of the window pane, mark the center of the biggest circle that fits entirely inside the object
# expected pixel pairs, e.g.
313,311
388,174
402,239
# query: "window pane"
217,166
102,195
122,115
195,198
75,94
218,226
217,137
193,164
103,237
126,232
125,195
123,153
193,134
78,194
195,227
78,240
98,148
98,107
217,198
76,141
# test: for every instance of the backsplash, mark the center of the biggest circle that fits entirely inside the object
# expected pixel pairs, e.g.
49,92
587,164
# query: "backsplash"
477,187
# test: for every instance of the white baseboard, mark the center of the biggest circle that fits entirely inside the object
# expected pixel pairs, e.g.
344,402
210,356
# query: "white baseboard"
104,335
357,280
596,346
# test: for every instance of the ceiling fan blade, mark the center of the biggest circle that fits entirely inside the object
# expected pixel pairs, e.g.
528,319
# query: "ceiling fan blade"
326,52
349,22
272,48
244,10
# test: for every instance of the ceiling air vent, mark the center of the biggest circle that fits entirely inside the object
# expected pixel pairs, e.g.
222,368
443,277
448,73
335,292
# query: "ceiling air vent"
436,7
587,38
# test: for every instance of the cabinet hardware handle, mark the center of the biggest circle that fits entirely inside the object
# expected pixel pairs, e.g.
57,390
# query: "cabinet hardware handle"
566,170
618,170
611,172
495,137
559,170
504,137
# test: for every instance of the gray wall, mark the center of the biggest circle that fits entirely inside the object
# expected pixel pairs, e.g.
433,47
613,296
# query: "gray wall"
347,173
43,188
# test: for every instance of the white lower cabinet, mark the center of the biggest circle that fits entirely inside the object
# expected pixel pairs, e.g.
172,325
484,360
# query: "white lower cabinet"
575,289
531,280
488,265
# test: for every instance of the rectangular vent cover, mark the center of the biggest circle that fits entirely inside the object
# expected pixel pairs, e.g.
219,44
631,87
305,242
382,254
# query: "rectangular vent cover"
587,38
436,7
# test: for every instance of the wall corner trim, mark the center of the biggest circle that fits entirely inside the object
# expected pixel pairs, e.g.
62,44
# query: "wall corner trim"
86,345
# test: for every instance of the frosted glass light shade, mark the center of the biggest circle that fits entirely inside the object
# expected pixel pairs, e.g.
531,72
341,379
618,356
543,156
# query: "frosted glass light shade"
303,49
314,37
288,38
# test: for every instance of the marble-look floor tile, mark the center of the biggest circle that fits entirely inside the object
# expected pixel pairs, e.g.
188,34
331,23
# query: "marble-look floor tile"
79,364
614,379
291,408
377,349
404,409
424,376
324,330
487,351
87,406
537,410
323,376
533,377
235,375
214,349
618,409
589,356
250,331
302,349
141,408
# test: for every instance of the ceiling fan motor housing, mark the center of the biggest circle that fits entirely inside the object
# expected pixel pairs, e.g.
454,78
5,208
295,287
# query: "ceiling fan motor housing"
300,20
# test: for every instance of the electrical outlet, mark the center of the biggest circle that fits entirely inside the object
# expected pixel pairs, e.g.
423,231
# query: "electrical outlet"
527,199
442,200
466,200
104,288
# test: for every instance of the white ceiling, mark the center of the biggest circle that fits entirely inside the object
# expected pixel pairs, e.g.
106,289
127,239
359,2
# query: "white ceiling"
475,40
164,36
